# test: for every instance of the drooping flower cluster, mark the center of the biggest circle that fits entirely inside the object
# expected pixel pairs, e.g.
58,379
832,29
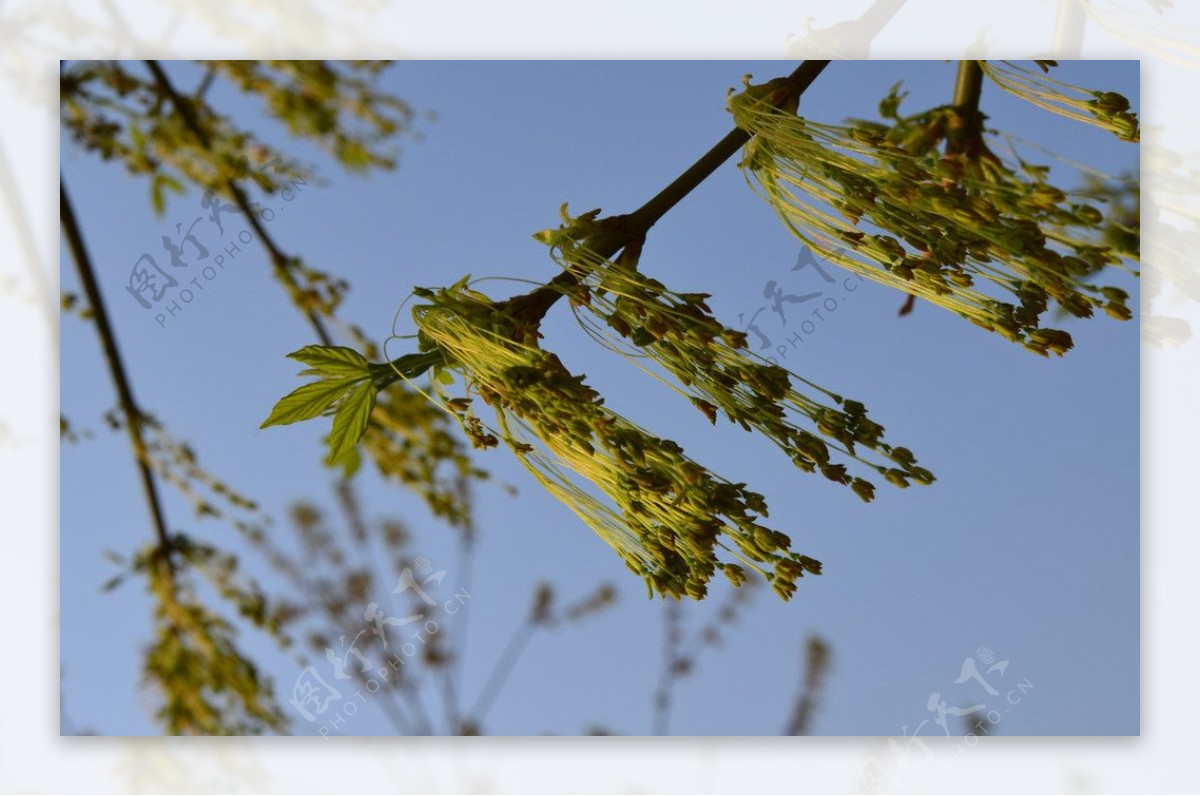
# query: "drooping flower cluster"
667,516
1107,110
712,365
959,228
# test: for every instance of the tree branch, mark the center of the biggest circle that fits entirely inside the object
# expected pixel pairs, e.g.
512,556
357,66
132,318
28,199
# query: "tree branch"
645,216
967,136
533,306
968,86
501,672
282,263
116,367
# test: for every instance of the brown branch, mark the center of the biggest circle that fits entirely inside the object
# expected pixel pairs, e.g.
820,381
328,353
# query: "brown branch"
283,264
108,341
816,655
968,86
533,306
966,136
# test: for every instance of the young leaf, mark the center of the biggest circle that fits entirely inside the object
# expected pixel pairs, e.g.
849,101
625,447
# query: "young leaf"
350,421
331,361
350,463
308,401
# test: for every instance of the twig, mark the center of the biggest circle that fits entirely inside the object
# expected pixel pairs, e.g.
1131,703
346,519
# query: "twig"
501,672
813,682
534,305
281,262
205,83
645,216
116,367
457,646
669,675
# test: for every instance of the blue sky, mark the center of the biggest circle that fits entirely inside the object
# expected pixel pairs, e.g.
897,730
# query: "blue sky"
1027,544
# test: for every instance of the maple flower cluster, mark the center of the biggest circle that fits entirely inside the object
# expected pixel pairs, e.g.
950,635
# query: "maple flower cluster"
959,227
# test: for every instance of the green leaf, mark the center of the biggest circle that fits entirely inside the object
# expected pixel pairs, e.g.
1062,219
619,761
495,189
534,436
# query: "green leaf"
308,401
443,376
350,463
350,422
331,360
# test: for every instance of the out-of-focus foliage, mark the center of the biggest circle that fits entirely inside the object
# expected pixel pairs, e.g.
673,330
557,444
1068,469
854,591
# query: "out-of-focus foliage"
205,684
133,115
180,140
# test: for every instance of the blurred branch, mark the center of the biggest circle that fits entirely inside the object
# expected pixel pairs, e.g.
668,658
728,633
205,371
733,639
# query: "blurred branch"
452,672
1068,29
542,615
849,38
108,341
29,252
816,671
501,671
281,262
673,666
680,652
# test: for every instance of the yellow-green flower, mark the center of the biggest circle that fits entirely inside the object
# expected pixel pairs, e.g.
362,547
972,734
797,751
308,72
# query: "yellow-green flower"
672,521
959,228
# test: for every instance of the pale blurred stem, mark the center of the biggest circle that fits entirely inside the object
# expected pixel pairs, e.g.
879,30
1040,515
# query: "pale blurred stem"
502,671
878,15
349,504
116,367
1068,29
391,710
391,707
667,676
281,262
533,306
452,672
421,716
121,25
29,253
